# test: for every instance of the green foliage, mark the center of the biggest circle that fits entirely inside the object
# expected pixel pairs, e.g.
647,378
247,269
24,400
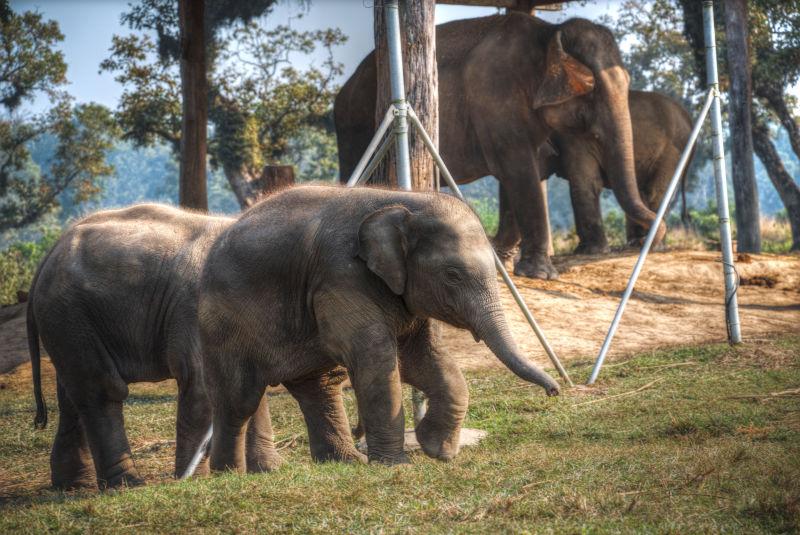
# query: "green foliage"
614,224
29,62
314,154
150,106
262,108
488,212
83,133
18,263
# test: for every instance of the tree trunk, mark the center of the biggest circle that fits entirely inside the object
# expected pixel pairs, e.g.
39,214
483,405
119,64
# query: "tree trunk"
418,36
249,189
771,91
192,184
748,227
787,188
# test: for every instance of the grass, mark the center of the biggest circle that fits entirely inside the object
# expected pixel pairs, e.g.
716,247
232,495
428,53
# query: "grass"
691,453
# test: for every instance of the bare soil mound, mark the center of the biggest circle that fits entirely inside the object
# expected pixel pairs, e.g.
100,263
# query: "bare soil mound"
678,301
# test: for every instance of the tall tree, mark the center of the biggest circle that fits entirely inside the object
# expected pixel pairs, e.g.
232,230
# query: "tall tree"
185,33
194,90
261,106
775,63
745,190
418,38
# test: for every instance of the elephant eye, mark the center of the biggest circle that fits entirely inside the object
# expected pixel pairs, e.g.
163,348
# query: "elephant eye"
453,276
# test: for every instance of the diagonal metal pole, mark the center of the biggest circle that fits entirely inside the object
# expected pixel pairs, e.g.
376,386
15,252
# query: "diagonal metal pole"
731,304
451,183
662,209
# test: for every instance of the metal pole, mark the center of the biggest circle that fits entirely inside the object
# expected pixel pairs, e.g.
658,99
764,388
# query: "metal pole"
731,305
199,454
662,209
451,183
373,164
392,13
362,163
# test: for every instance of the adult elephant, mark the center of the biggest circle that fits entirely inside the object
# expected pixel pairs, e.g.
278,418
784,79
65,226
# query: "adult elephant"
505,83
115,302
661,129
317,277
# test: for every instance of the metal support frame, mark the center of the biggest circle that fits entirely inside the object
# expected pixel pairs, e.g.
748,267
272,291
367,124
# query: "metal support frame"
712,103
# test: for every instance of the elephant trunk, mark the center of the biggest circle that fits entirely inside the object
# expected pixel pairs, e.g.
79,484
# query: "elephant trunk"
619,160
495,332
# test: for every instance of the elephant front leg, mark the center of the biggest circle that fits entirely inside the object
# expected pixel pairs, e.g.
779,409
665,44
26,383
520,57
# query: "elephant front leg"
235,399
260,452
506,240
528,203
438,376
585,197
376,380
320,399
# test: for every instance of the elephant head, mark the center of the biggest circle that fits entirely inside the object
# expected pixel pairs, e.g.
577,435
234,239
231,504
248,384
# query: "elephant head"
584,92
440,263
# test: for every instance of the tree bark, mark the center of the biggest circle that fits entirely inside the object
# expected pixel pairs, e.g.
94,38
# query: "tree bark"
771,91
748,225
787,188
194,89
249,189
418,37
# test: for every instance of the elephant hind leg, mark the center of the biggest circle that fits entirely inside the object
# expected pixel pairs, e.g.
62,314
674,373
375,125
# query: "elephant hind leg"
260,452
105,428
320,399
71,465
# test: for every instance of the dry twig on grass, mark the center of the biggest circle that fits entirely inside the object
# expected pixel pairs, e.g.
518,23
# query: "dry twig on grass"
630,393
769,396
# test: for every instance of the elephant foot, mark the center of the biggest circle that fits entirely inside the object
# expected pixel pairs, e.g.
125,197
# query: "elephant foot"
592,248
82,481
506,253
267,461
124,480
437,443
389,460
70,475
536,267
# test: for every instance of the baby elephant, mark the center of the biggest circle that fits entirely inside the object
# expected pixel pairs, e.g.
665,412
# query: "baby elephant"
115,302
316,277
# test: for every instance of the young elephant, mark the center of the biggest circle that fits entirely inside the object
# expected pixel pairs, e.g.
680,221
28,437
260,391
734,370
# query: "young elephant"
115,303
316,277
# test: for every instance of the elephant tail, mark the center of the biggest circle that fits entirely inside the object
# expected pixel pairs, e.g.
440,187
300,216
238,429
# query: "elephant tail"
36,368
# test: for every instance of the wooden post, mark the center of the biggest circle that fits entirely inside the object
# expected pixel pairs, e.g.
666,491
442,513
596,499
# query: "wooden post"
192,183
748,226
421,82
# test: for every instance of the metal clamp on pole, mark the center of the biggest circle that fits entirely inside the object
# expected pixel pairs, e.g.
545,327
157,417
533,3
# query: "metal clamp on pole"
392,14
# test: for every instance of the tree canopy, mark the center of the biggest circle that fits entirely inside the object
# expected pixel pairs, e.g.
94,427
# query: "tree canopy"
30,65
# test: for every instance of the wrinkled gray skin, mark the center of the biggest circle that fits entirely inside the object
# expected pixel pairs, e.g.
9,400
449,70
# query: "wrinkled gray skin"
317,277
506,83
115,303
661,129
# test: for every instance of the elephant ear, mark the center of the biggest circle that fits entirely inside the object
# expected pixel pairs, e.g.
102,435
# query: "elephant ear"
383,243
565,77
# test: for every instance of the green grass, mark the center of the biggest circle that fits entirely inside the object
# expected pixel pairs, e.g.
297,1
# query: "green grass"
691,453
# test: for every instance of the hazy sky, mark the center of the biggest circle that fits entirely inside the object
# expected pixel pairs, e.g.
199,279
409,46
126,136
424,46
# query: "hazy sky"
88,25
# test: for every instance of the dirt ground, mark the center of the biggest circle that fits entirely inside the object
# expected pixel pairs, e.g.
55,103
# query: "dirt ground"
678,301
